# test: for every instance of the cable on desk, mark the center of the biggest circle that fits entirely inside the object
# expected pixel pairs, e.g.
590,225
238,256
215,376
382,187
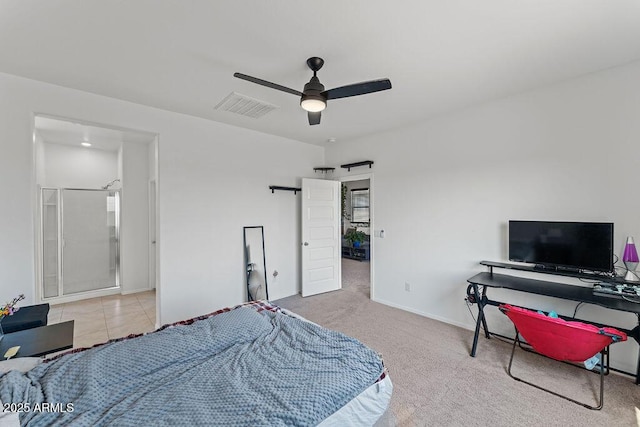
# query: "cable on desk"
576,310
472,298
633,300
470,312
624,269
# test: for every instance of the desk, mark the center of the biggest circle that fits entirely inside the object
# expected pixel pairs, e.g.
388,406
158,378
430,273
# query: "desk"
361,253
39,341
540,287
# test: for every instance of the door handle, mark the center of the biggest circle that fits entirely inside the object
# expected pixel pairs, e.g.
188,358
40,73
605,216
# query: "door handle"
306,243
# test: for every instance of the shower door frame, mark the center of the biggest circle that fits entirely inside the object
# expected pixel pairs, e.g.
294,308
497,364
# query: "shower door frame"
60,246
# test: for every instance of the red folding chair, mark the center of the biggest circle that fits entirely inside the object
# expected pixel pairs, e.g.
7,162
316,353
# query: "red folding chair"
562,340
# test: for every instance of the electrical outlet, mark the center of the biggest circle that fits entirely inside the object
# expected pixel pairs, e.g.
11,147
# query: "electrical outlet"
407,286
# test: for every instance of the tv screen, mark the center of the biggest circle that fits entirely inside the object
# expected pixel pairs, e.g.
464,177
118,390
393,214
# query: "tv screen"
569,245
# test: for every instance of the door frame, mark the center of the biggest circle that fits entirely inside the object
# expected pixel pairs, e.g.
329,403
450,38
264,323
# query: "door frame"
372,251
153,233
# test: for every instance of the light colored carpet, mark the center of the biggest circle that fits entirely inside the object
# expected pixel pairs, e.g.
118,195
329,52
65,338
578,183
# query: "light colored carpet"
355,276
437,383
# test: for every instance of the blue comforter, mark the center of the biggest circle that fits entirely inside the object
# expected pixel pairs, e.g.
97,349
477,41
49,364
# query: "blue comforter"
239,368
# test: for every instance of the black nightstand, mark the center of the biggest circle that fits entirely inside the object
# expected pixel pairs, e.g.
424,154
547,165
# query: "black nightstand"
39,341
31,316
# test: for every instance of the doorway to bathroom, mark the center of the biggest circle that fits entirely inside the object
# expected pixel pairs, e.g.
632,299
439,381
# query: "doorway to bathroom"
94,226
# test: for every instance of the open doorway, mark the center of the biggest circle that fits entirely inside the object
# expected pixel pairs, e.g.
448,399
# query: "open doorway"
357,234
95,230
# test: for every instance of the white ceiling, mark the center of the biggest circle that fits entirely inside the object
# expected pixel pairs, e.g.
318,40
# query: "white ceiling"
439,55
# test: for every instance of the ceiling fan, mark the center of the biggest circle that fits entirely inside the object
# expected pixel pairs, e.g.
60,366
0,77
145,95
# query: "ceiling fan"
314,98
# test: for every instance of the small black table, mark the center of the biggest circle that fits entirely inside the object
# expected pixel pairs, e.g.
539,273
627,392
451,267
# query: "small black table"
31,316
541,287
39,341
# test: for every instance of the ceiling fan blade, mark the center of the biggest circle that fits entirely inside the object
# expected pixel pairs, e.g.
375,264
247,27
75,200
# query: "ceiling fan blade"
314,118
358,89
267,84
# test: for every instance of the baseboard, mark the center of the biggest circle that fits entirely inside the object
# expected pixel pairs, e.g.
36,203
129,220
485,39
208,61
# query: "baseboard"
424,314
80,296
136,291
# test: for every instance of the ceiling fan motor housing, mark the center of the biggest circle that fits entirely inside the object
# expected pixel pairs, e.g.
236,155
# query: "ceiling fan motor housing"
312,98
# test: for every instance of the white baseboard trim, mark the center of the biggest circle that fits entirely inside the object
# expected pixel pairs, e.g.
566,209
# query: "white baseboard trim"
136,291
80,296
424,314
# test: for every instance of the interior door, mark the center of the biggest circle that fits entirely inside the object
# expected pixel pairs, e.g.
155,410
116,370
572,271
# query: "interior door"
321,245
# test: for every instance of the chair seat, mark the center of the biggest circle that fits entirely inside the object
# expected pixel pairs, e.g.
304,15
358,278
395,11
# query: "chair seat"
32,316
560,339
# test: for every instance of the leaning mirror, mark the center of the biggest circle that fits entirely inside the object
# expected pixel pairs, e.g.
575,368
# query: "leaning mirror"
254,257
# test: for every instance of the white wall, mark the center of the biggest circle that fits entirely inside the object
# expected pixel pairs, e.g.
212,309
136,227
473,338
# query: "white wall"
134,228
40,175
445,189
66,166
212,179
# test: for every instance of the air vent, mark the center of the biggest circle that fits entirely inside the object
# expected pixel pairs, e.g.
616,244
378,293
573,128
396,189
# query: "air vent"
245,106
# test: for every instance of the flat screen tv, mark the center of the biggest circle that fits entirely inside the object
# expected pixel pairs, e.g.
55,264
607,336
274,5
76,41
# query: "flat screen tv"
563,245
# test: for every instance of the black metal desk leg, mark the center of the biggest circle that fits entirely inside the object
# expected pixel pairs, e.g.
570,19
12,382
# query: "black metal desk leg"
636,333
479,321
484,319
638,371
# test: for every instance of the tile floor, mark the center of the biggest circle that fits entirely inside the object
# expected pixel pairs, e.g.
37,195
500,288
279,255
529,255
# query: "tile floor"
100,319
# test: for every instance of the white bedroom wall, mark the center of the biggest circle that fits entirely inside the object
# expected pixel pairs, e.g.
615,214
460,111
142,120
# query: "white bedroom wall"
445,190
213,179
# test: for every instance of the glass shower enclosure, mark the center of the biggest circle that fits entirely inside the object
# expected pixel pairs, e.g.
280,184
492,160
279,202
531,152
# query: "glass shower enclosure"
80,241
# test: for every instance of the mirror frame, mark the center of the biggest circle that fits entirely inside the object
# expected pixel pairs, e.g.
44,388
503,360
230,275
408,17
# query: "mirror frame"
248,266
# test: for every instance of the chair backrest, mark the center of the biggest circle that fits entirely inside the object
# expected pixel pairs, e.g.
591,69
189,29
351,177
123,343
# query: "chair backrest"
560,339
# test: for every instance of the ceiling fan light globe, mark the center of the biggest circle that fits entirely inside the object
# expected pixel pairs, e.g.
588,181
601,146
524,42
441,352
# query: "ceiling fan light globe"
313,105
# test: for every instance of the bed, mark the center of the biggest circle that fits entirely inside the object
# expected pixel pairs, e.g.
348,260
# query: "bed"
251,365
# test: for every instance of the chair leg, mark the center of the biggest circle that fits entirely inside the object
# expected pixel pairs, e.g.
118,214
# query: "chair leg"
605,352
516,341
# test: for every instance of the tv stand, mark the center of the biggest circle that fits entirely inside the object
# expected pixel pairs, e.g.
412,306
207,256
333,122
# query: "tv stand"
545,267
583,294
556,271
